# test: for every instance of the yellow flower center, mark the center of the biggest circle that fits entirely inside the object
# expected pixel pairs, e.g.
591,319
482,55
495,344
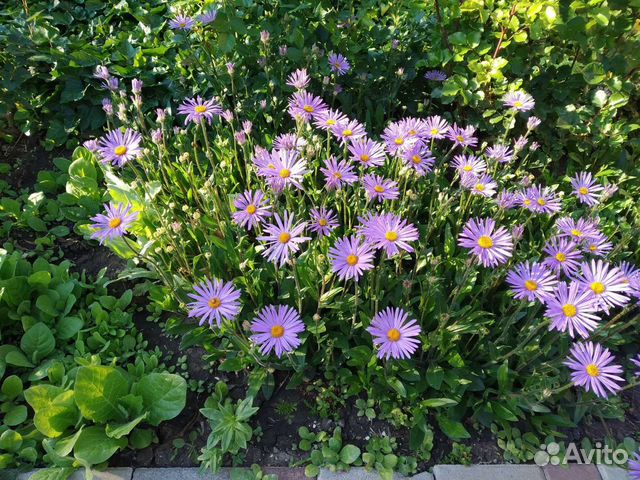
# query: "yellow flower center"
542,202
597,288
182,24
583,190
214,302
379,188
416,159
284,237
485,242
251,209
467,168
569,310
593,248
200,109
331,122
517,103
337,175
479,187
459,138
398,141
322,222
531,285
347,133
115,222
561,257
308,108
120,150
527,201
391,236
285,173
576,233
277,331
434,131
592,370
393,335
271,166
364,157
352,260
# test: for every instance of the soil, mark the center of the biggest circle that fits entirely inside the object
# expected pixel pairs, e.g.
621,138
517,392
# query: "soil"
277,443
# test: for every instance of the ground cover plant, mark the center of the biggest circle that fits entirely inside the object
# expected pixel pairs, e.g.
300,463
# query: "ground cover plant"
399,207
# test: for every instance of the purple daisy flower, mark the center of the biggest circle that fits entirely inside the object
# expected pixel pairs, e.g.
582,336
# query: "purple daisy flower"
208,17
394,336
299,79
592,369
598,245
532,282
91,145
500,153
634,466
628,271
348,131
113,223
350,258
435,75
414,127
507,200
379,188
562,254
289,141
520,143
606,284
389,232
636,362
572,308
215,300
578,230
419,158
119,148
586,188
339,64
540,199
484,186
198,110
305,106
519,101
337,173
396,138
323,221
492,246
288,169
469,164
436,127
462,136
329,118
181,22
533,122
367,152
276,328
283,238
252,208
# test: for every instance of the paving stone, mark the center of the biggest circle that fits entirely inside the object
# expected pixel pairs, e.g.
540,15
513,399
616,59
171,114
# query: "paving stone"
110,474
178,474
286,473
488,472
571,472
609,472
360,473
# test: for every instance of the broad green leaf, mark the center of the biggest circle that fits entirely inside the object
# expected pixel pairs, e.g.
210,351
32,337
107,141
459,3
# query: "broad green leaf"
53,474
164,395
120,430
349,454
62,413
98,389
452,429
94,446
38,342
12,386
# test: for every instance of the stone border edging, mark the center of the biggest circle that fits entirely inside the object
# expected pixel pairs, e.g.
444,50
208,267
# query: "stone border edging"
440,472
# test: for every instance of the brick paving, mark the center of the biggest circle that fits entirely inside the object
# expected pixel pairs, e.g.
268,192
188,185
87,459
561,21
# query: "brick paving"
440,472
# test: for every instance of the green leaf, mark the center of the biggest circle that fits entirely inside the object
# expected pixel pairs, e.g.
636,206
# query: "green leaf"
41,279
451,428
53,474
140,439
17,359
15,416
503,376
438,402
311,470
94,446
38,342
397,386
164,395
68,327
12,386
97,390
60,414
120,430
10,441
349,454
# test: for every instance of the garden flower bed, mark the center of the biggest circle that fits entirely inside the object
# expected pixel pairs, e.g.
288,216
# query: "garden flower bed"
370,236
